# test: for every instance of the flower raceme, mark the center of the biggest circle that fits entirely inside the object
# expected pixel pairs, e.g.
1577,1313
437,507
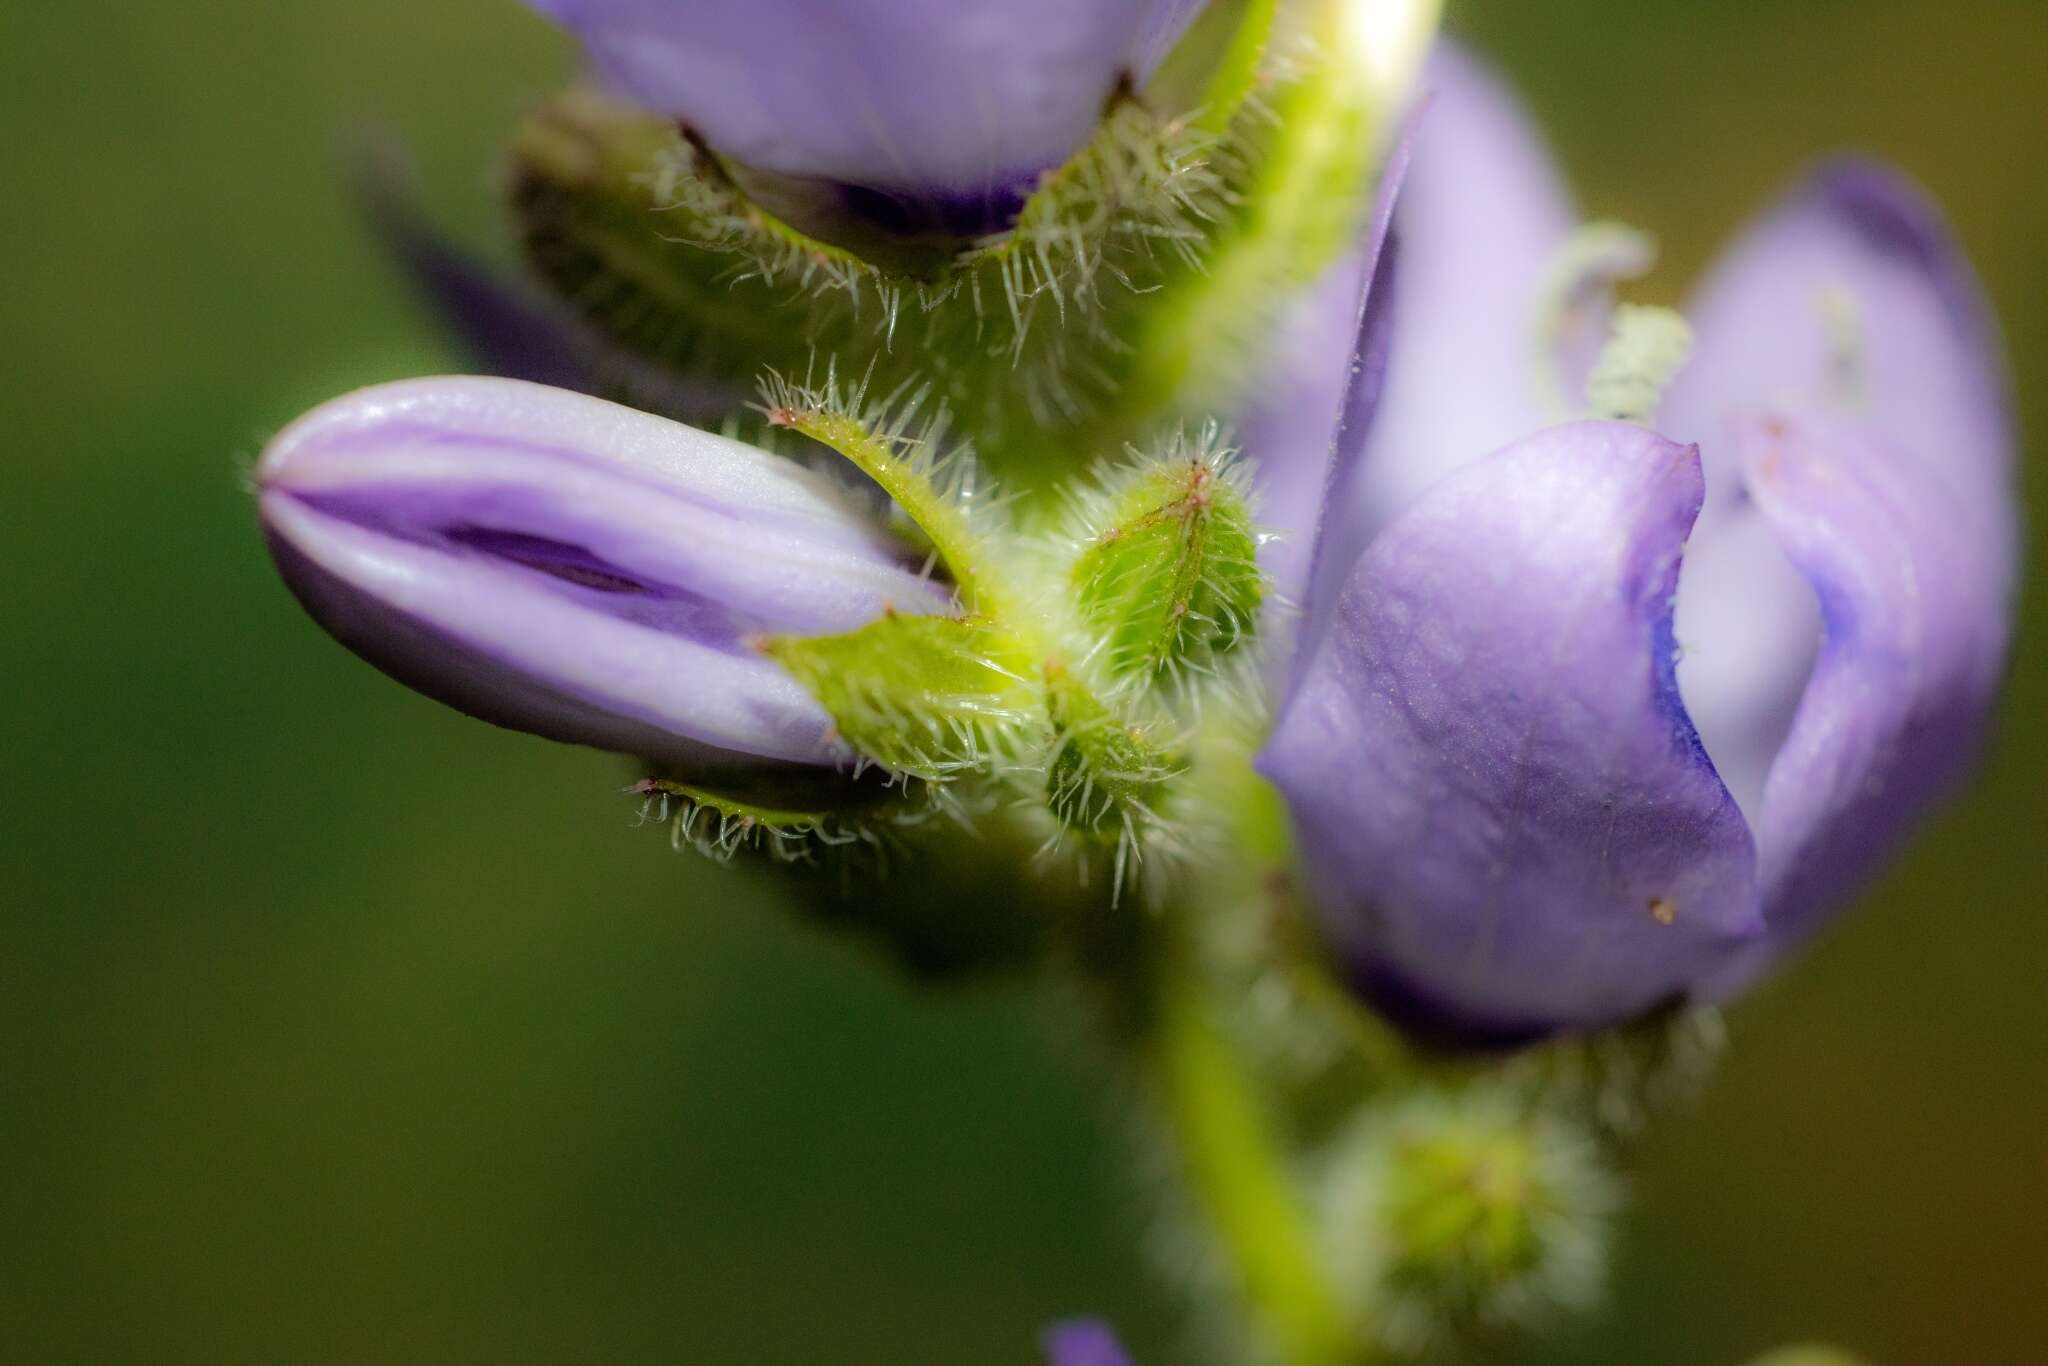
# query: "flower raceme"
1595,715
1582,717
1546,711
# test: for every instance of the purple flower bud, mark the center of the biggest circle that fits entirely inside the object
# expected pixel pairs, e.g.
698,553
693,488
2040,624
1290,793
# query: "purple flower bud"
566,566
922,114
1586,719
1082,1342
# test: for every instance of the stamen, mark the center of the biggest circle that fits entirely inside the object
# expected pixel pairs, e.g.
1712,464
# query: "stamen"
1647,349
1572,297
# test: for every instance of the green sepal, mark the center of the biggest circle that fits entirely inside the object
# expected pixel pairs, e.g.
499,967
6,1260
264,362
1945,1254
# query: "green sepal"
931,697
648,237
1297,175
1167,579
719,825
1107,778
587,188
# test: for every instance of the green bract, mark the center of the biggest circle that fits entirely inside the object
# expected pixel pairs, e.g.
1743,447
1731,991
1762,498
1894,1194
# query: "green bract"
1168,577
1137,278
926,696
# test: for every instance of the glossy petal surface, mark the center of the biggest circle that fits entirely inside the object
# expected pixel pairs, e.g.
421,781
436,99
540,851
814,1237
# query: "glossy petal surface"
566,566
938,100
1507,820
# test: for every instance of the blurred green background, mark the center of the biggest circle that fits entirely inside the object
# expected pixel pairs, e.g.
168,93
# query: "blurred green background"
337,1028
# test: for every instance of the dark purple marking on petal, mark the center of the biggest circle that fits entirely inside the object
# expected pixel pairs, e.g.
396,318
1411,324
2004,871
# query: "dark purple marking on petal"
425,656
961,213
573,564
488,523
403,431
1664,658
1896,221
1434,1020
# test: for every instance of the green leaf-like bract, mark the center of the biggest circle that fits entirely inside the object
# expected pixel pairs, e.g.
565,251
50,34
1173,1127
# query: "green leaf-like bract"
931,697
650,239
1169,579
1107,777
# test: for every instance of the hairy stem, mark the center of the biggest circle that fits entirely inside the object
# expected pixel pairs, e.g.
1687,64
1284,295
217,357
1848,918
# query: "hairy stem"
1233,1164
959,548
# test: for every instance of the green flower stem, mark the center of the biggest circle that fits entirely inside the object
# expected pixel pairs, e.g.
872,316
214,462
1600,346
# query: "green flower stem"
939,517
1306,195
1233,1156
1235,1168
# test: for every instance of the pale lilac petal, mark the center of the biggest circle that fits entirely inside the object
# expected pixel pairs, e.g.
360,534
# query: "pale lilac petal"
1847,297
1082,1342
962,105
1507,821
1481,215
505,326
1748,629
1318,378
563,565
1851,294
1915,587
1290,418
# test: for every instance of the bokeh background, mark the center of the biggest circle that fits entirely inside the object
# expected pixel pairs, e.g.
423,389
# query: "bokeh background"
337,1028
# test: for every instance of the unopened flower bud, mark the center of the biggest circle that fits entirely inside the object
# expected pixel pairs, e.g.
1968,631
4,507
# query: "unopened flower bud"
566,566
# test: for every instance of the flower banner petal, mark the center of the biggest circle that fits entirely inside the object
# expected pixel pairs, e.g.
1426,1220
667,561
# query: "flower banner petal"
1481,213
1506,819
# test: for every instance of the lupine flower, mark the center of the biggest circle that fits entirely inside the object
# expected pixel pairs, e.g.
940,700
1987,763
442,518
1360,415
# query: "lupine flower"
918,115
566,566
1586,718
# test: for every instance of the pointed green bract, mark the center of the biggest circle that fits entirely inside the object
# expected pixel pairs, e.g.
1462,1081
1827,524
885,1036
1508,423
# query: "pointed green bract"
1108,777
1168,577
719,825
931,697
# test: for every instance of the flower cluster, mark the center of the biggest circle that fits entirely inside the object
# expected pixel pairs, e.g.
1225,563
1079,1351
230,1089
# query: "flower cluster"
1196,451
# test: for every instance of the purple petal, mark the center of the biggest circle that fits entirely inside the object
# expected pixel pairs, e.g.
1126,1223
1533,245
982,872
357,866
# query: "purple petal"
1082,1342
1318,379
1481,214
566,566
1507,821
1915,585
956,105
1848,297
1859,256
507,327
